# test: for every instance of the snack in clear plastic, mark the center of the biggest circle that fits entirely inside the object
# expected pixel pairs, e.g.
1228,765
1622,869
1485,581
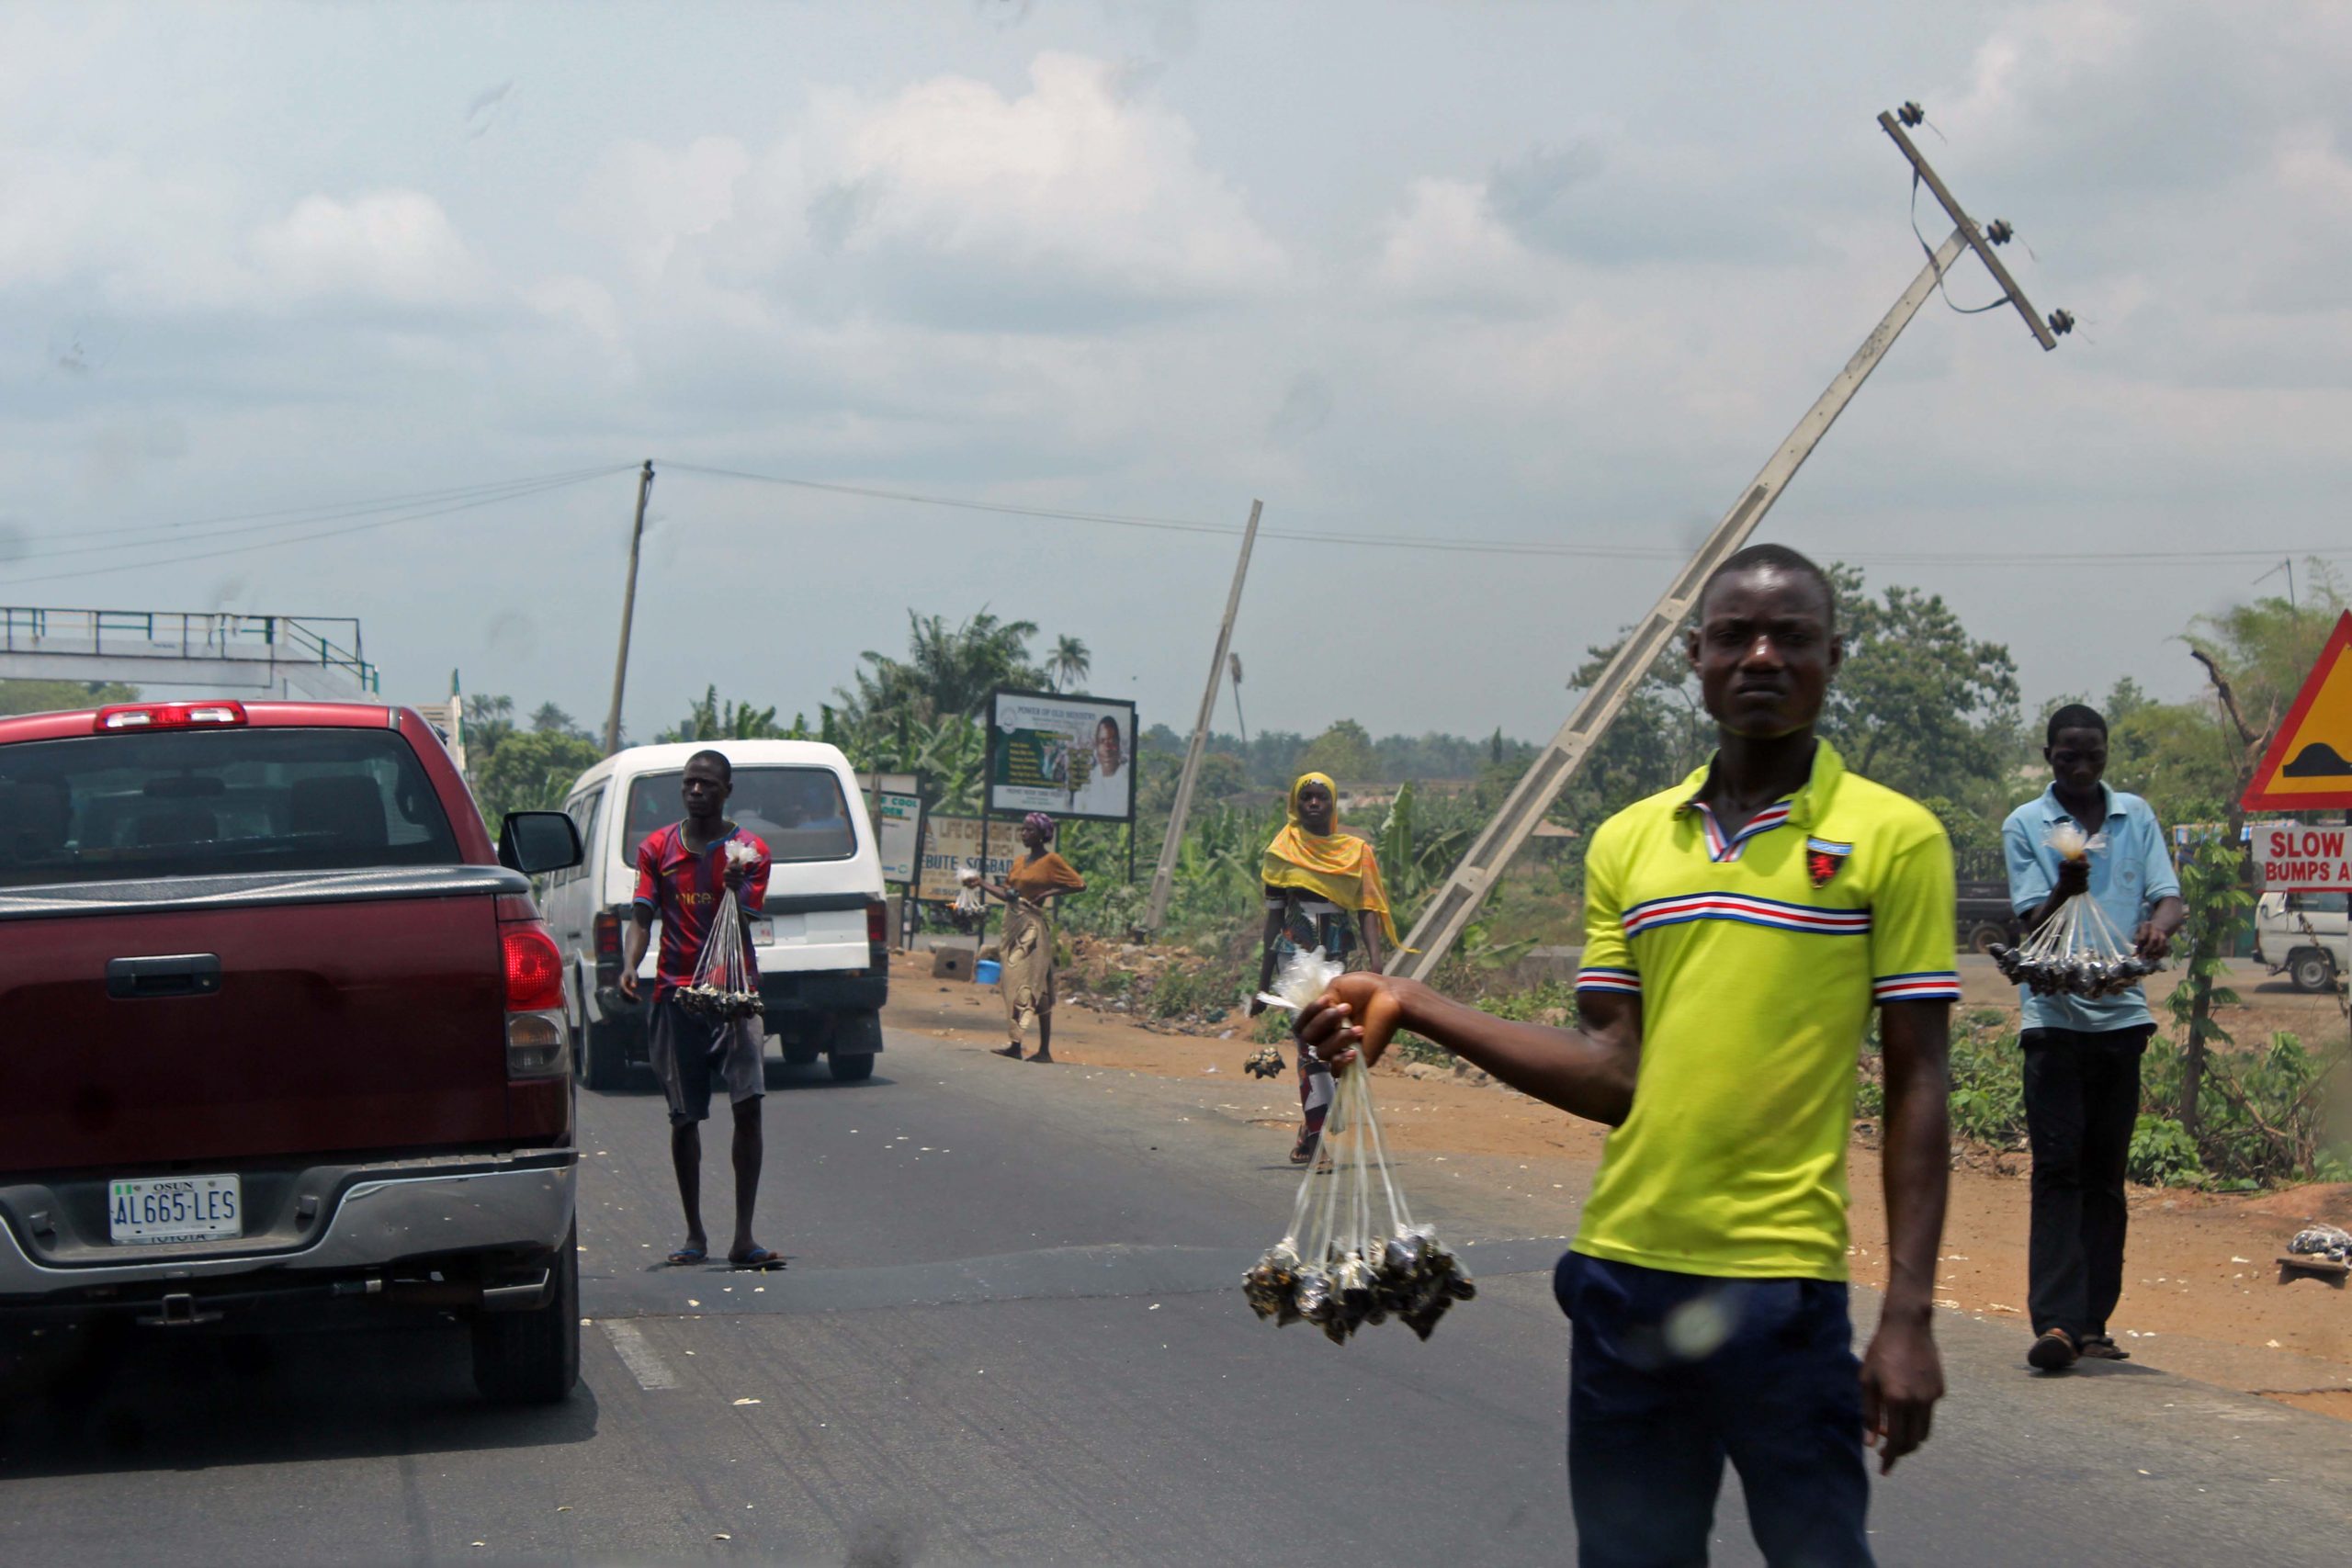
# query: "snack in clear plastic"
1338,1266
722,986
2077,951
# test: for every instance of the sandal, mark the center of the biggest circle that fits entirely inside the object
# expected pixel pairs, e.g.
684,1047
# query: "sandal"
2054,1352
2099,1348
688,1256
759,1257
1304,1150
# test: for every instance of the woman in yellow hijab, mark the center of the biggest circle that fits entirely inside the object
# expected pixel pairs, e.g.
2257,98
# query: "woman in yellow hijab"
1323,889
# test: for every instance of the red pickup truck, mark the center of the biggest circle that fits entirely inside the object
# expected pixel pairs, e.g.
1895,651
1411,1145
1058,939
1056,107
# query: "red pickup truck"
280,1033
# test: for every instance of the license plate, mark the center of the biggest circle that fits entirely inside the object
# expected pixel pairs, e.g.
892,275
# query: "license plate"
174,1208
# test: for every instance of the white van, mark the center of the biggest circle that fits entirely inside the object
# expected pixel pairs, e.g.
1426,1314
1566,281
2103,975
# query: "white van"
821,941
2304,934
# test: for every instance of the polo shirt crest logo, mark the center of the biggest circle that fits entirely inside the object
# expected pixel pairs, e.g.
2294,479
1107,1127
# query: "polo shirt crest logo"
1823,857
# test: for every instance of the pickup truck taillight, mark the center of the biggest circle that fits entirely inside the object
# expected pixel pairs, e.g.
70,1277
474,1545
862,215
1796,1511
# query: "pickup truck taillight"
535,1035
608,947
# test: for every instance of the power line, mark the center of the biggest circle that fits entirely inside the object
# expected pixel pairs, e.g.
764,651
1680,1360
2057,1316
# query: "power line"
300,516
2000,558
324,534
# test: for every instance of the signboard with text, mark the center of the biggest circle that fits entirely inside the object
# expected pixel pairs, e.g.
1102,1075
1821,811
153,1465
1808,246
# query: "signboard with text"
951,843
2291,858
1064,756
895,801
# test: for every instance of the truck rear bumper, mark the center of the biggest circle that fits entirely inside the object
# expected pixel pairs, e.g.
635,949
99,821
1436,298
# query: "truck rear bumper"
381,1215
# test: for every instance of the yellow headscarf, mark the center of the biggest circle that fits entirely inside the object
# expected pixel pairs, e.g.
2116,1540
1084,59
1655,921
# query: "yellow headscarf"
1335,865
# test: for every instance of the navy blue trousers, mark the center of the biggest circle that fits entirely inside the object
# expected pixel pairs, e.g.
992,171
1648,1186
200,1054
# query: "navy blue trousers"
1671,1375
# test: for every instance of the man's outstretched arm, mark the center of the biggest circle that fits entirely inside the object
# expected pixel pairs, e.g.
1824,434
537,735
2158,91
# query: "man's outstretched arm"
1587,1071
1902,1375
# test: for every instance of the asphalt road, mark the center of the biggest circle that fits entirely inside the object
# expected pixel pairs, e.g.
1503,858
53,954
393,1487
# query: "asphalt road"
1010,1334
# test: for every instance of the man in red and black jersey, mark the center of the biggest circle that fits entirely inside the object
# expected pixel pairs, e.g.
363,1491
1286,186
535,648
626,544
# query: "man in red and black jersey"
682,874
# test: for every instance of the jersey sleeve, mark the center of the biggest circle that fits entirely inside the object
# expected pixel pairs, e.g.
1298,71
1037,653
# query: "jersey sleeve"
1912,913
754,896
649,877
1607,954
2029,881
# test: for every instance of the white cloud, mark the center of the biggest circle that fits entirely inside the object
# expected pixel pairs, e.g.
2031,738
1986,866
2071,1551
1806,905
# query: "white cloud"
948,202
1446,248
389,246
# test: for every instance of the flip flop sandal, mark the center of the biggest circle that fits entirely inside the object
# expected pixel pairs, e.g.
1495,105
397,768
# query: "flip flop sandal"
759,1259
2099,1348
1304,1149
688,1256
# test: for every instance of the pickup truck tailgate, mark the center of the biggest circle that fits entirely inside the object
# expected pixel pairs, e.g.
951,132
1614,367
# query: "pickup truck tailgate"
296,1028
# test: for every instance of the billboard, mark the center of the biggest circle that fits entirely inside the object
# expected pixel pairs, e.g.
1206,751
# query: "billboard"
895,801
1064,756
951,843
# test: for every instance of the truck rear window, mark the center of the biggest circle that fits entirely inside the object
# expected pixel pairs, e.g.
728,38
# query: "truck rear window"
215,802
800,813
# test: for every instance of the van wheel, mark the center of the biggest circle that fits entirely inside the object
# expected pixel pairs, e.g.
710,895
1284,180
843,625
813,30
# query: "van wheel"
2312,971
532,1357
604,1064
852,1069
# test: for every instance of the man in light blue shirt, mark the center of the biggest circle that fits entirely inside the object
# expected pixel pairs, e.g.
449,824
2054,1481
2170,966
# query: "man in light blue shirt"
2081,1053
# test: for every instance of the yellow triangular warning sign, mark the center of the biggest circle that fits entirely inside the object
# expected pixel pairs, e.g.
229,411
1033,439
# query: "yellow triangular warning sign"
2309,764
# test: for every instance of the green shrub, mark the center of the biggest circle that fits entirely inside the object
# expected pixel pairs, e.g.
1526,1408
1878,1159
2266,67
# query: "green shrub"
2162,1155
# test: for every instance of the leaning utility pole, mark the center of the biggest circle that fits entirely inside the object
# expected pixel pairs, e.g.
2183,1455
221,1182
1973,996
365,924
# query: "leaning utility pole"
1442,924
1163,879
628,610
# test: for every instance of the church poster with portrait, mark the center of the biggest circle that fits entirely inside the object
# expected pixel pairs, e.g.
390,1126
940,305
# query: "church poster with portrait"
1065,756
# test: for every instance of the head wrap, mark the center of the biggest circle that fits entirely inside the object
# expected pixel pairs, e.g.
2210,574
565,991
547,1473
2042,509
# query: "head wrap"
1336,866
1039,821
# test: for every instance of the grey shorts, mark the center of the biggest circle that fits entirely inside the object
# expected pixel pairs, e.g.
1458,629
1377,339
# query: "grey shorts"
681,1044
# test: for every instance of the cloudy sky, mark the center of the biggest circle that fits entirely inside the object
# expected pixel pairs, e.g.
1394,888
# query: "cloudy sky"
1548,274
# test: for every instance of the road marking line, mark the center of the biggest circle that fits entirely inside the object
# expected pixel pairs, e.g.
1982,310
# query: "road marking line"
628,1343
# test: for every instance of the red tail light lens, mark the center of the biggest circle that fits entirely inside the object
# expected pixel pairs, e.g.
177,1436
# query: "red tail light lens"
534,970
877,924
608,947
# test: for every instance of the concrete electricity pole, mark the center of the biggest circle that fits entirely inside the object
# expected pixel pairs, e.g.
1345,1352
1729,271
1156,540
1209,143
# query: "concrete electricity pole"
1164,878
1442,924
628,610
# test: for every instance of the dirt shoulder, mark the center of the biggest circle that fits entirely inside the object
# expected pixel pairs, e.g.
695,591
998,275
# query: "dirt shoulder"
2201,1296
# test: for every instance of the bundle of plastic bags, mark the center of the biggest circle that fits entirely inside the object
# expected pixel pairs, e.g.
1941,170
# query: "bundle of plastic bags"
969,901
2077,951
1352,1255
722,985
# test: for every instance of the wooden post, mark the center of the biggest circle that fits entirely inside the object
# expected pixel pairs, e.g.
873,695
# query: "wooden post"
628,610
1163,879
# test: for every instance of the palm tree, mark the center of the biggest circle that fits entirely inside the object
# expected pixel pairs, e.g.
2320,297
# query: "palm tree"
1069,664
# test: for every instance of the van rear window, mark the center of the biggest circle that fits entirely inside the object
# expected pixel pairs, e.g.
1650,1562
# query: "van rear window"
800,813
215,802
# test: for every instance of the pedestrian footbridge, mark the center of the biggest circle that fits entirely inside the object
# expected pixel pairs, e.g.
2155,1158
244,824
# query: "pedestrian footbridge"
312,656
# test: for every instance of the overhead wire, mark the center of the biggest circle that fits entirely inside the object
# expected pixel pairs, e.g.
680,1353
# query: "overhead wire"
542,488
295,516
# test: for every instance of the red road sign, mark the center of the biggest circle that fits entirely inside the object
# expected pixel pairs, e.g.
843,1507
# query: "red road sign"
2309,764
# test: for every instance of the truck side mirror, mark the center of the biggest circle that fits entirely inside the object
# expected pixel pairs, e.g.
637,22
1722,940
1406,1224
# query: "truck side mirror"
536,842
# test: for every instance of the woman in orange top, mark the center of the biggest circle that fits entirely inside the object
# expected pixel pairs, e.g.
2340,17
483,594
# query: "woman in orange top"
1027,982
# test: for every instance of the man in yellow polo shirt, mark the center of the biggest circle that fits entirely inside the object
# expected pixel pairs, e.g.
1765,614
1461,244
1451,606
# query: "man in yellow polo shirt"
1739,929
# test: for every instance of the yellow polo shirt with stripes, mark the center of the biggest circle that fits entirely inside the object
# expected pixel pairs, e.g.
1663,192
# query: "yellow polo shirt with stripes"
1757,958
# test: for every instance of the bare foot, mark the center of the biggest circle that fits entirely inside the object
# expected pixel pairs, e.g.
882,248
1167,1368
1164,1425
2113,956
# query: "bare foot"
1042,1055
1012,1051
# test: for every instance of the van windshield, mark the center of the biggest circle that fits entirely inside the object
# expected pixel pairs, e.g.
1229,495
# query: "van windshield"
213,803
800,813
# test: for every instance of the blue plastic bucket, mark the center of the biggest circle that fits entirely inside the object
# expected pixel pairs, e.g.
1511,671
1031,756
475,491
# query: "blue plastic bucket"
986,972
